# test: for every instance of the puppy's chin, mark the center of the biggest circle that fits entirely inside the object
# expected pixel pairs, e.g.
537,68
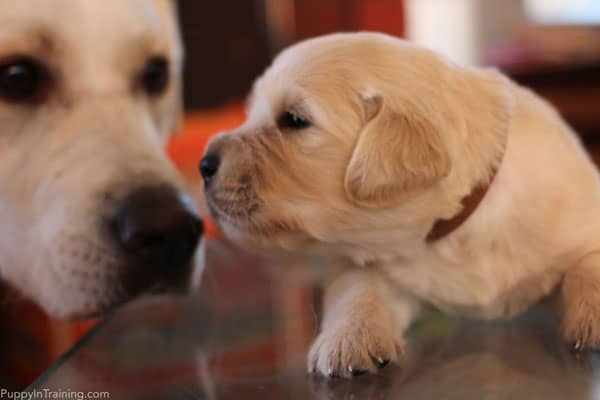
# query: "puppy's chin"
262,235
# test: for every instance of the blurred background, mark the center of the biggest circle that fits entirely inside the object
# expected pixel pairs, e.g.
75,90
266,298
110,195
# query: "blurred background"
552,46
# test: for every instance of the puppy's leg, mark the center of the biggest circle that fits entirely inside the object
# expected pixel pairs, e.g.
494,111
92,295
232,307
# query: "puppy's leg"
580,303
362,326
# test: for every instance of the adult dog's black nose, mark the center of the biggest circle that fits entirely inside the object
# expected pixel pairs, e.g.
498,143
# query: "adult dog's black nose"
157,228
209,165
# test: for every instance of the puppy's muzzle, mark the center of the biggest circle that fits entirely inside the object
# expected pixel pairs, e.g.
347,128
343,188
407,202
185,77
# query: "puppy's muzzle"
158,231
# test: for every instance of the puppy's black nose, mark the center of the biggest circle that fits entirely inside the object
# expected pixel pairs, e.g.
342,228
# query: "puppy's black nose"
157,228
209,165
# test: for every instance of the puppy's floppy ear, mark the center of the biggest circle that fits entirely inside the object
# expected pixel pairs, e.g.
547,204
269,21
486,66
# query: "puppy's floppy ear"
402,146
398,151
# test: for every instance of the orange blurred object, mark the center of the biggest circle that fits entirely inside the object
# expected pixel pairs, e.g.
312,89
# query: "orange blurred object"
382,16
30,340
318,17
186,147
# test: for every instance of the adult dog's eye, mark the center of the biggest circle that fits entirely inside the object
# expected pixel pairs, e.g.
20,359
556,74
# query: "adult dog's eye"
155,76
291,120
21,80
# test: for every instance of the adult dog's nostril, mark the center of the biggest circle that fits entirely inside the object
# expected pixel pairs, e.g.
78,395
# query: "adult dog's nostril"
157,228
209,165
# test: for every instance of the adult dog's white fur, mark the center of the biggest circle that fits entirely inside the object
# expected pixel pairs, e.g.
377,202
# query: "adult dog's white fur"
398,136
66,160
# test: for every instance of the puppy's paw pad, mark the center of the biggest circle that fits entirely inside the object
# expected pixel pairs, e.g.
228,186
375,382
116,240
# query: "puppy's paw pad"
354,351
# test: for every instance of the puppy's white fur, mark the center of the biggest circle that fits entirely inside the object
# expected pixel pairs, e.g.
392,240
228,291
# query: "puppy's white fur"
66,160
398,137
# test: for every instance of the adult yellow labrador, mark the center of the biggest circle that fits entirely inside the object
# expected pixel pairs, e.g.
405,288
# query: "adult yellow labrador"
91,210
441,185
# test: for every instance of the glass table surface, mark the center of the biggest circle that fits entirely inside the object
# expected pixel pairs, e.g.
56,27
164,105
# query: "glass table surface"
246,333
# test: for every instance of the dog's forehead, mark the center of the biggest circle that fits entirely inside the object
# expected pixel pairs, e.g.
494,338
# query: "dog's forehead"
308,68
322,60
356,54
76,23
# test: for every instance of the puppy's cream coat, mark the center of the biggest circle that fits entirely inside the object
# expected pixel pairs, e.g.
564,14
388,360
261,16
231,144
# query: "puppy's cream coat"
80,129
358,143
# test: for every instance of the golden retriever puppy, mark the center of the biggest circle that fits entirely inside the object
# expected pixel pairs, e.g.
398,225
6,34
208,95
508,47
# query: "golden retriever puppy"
92,211
442,185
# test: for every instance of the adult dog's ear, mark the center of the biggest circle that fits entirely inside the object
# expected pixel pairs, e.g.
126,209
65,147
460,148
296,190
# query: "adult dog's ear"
398,151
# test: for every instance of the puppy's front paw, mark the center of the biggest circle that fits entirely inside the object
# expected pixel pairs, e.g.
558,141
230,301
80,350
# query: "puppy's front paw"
353,349
580,319
580,326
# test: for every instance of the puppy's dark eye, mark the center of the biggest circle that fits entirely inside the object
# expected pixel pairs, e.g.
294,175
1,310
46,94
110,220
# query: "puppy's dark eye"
291,120
155,76
21,80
